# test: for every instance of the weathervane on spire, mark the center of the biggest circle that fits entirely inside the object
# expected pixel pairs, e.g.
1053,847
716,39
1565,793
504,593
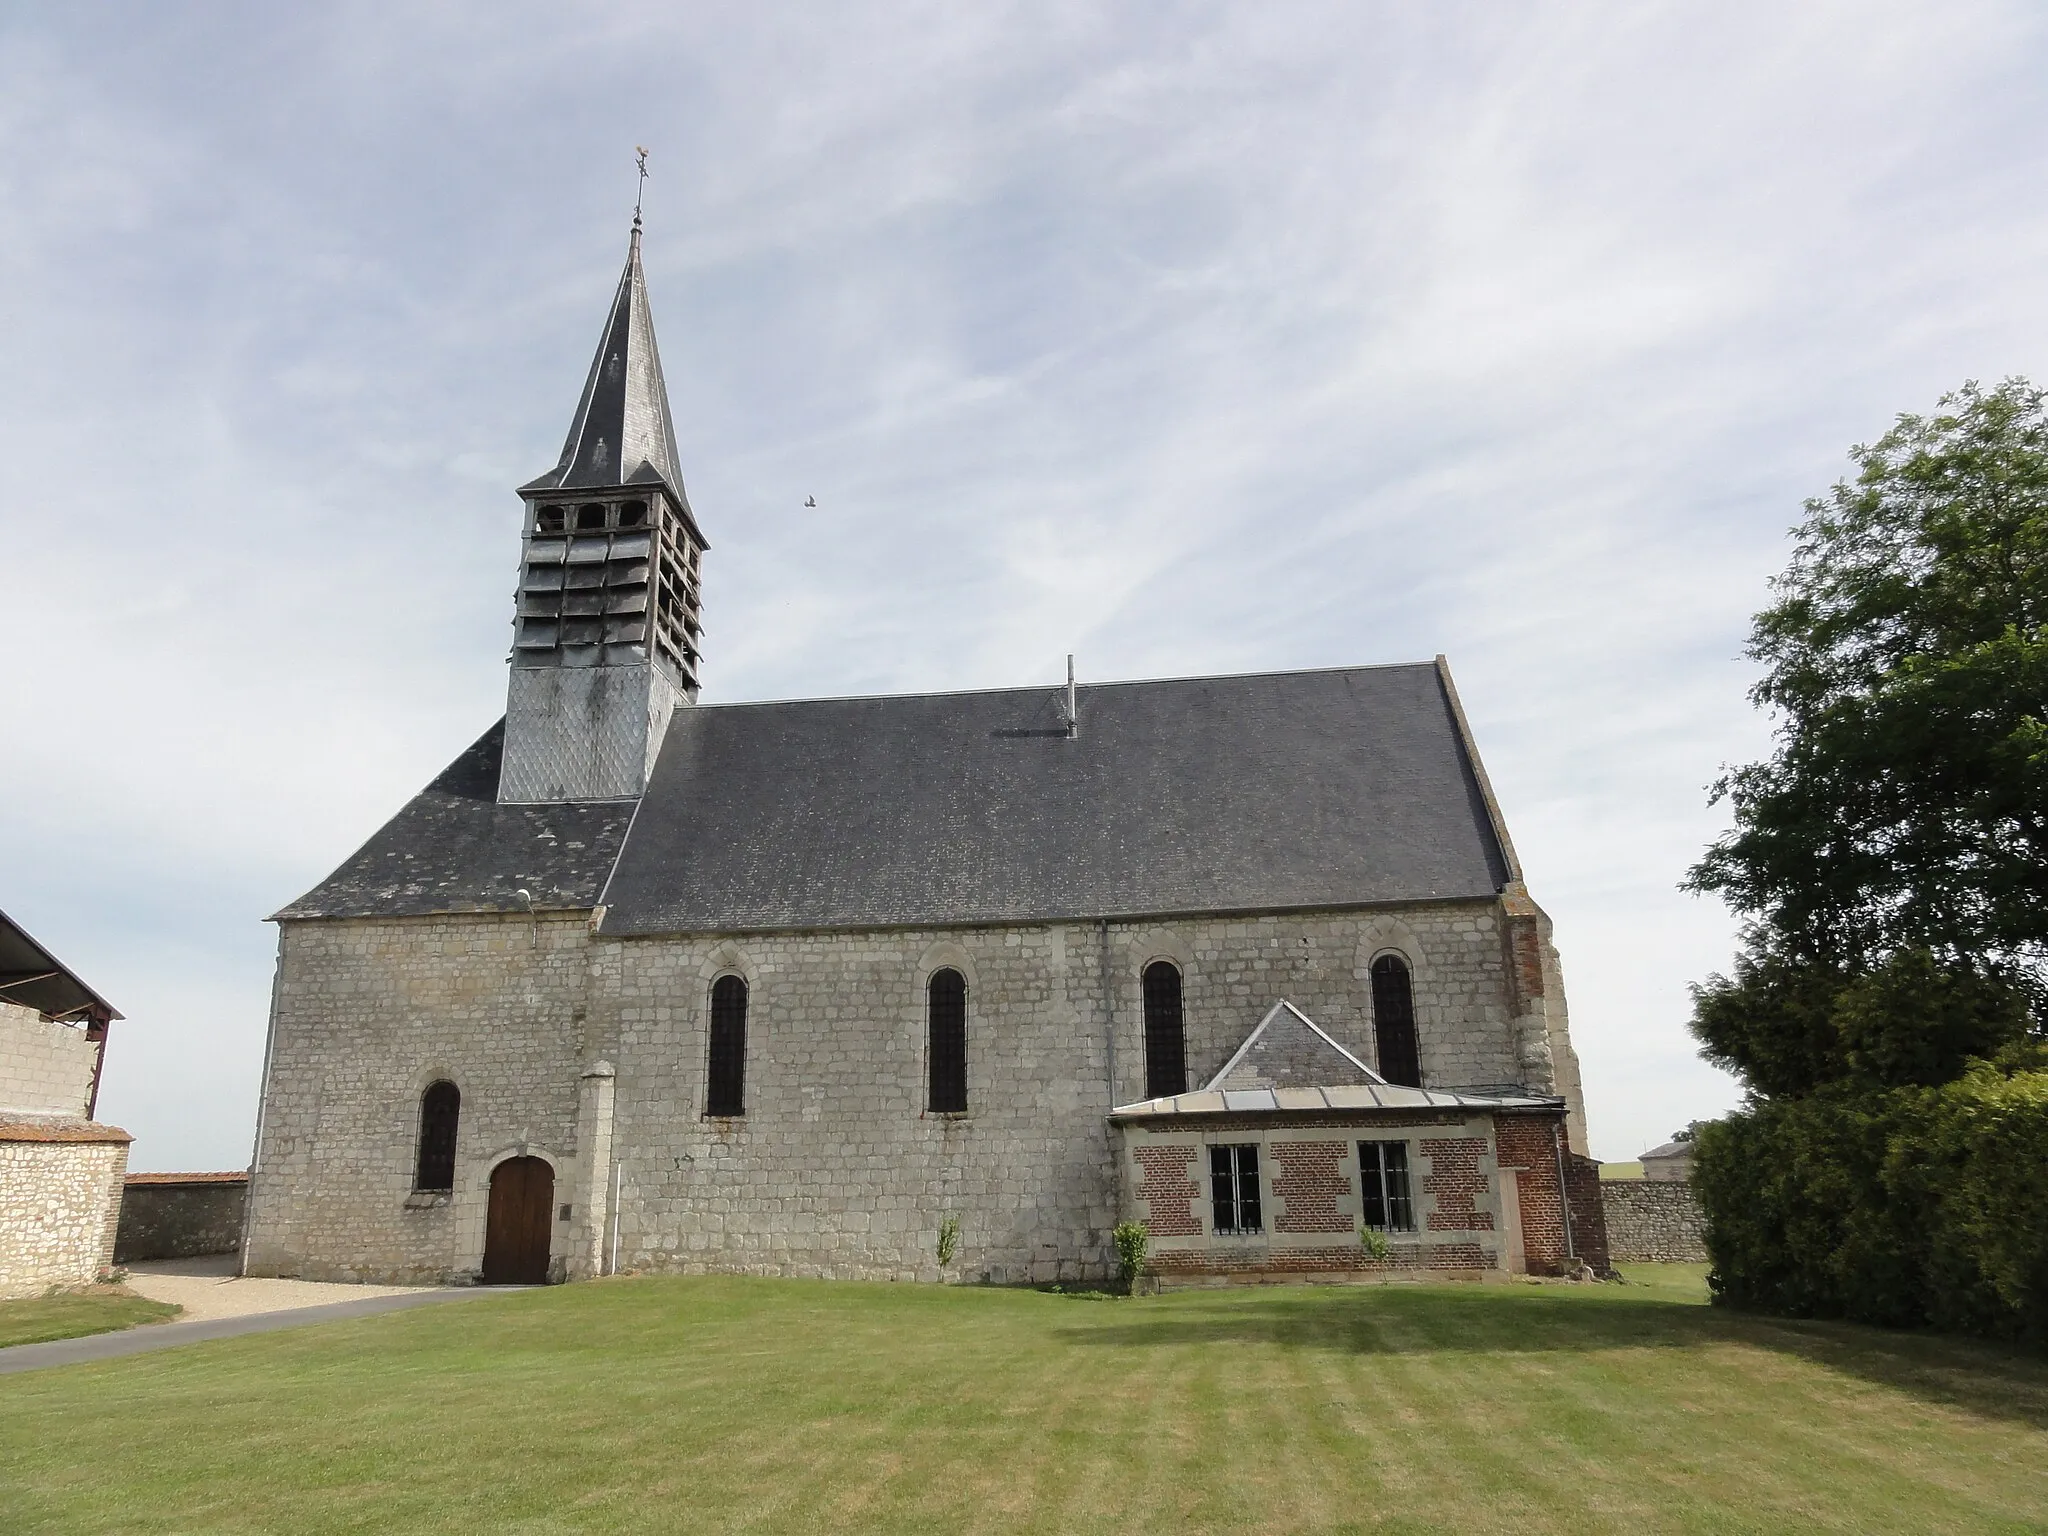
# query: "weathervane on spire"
640,155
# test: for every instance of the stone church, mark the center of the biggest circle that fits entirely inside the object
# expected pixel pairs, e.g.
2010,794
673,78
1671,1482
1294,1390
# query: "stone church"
644,984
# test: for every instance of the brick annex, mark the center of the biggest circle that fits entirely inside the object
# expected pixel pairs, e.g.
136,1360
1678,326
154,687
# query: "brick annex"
646,984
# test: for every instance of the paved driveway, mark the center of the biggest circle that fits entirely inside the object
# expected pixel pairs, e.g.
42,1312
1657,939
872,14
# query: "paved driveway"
135,1341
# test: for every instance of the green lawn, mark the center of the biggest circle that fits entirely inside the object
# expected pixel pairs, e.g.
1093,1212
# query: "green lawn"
1667,1282
71,1315
762,1405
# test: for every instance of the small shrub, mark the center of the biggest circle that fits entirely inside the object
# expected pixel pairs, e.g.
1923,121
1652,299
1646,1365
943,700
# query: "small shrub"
1375,1243
949,1240
1131,1241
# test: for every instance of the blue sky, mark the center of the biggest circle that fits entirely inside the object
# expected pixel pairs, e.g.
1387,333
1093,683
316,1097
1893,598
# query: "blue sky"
1186,338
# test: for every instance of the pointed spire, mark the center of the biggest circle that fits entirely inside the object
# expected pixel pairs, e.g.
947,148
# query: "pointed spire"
621,433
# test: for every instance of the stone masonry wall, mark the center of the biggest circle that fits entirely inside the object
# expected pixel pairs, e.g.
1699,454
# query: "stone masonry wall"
59,1202
366,1016
835,1169
1654,1222
172,1216
45,1068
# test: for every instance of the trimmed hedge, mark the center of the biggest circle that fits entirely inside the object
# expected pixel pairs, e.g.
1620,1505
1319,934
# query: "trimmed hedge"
1904,1206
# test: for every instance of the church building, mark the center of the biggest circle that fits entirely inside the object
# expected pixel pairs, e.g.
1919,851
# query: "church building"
643,984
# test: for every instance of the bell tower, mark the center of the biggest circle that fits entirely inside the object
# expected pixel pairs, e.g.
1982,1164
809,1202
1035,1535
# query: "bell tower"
605,641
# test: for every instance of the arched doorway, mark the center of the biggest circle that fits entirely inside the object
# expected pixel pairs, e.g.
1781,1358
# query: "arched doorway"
521,1221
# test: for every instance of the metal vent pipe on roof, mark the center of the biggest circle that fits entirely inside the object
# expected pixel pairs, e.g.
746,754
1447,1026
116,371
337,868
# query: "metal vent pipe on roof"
1073,717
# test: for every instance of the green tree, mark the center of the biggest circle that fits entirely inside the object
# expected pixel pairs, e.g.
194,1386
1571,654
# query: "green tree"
1906,656
1891,858
1896,841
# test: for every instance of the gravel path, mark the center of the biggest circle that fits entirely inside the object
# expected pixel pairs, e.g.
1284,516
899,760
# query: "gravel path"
208,1289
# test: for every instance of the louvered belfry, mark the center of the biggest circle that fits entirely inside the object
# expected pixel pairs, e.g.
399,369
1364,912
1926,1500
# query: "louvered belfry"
605,641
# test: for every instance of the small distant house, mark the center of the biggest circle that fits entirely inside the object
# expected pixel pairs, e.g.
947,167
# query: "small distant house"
1671,1162
60,1169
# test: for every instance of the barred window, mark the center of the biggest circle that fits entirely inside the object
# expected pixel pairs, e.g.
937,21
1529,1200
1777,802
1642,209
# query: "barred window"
1166,1046
1393,1021
946,1020
1383,1185
726,1093
1234,1189
440,1113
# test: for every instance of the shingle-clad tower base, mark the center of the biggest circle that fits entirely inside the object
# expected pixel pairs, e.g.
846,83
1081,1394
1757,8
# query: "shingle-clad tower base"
583,733
605,643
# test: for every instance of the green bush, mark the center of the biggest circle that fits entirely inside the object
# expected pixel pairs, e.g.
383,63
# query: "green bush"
1903,1206
1131,1243
1977,1157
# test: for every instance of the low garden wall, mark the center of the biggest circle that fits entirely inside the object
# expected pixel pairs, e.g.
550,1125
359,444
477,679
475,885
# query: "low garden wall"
60,1187
180,1215
1653,1221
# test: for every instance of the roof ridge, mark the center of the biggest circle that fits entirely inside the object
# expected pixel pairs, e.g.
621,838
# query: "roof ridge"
1054,687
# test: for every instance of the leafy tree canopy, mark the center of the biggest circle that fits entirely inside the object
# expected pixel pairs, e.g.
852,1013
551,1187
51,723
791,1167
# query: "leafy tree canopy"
1892,853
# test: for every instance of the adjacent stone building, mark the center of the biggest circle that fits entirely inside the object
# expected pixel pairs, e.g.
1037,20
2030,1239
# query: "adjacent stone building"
60,1170
640,983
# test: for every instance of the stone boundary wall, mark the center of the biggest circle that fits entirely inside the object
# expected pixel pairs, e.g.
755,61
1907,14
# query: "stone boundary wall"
180,1215
60,1196
1653,1221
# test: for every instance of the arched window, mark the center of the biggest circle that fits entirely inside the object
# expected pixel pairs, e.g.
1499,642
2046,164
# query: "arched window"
727,1090
1393,1021
440,1111
1166,1046
946,1015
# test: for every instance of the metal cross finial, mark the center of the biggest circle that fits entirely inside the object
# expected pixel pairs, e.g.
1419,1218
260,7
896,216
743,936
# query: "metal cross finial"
639,155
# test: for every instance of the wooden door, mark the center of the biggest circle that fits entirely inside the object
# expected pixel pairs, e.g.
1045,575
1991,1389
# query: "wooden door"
520,1224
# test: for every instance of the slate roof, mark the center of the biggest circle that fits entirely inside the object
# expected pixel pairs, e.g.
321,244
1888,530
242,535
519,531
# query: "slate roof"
1221,794
1288,1049
455,849
621,433
1213,794
1252,1101
1288,1065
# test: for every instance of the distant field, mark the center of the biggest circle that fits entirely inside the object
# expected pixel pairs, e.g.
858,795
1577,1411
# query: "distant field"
68,1317
769,1406
1621,1170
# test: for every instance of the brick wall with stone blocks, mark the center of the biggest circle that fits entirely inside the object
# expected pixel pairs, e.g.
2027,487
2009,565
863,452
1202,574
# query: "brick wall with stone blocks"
836,1168
1309,1184
60,1201
45,1068
1529,1145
